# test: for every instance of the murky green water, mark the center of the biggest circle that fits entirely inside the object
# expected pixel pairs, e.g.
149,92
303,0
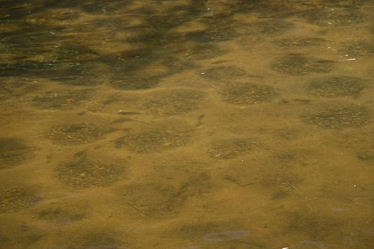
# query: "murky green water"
187,124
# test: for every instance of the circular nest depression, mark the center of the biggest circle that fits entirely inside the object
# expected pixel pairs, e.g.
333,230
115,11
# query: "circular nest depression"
13,151
84,172
297,64
345,116
135,82
17,198
78,133
247,94
63,99
337,86
153,200
154,140
223,73
299,42
173,102
231,148
359,49
333,16
268,27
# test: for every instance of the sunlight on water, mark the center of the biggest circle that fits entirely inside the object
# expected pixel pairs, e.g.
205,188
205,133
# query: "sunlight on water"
187,124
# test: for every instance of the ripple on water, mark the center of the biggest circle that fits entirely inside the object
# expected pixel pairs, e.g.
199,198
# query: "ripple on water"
16,87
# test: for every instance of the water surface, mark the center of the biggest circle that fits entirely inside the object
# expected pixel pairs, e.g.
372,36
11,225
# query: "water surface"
187,124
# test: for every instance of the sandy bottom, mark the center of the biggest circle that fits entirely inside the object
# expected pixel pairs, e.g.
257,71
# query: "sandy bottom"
187,124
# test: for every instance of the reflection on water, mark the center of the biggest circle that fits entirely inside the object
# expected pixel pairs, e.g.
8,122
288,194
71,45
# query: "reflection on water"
187,124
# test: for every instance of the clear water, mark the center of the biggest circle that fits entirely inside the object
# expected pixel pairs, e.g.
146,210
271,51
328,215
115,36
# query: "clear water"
187,124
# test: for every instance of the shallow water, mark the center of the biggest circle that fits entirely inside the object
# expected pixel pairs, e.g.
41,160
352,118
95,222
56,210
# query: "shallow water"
187,124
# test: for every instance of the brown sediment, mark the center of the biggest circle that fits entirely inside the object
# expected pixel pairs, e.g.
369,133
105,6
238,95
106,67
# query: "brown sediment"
298,64
85,172
337,117
186,124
